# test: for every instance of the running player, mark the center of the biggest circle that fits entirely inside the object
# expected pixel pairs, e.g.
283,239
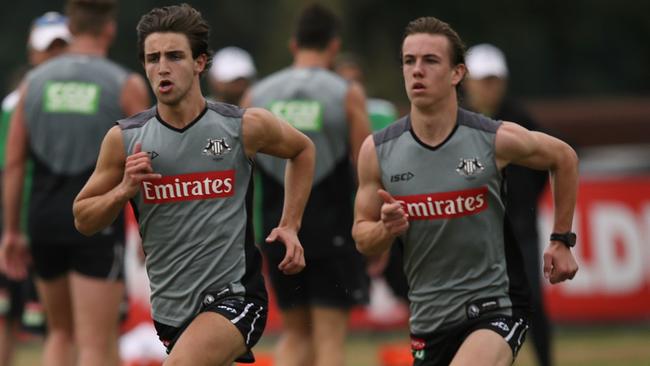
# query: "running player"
49,37
65,107
432,180
186,167
315,304
486,92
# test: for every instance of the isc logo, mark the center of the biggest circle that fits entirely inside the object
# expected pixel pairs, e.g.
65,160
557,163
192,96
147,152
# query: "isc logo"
401,177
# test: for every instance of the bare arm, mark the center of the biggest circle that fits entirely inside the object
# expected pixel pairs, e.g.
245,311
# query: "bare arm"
265,133
14,257
536,150
357,116
14,174
135,95
116,179
378,218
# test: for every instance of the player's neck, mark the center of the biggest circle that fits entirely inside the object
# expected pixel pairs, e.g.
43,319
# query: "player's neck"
305,58
88,45
433,125
181,114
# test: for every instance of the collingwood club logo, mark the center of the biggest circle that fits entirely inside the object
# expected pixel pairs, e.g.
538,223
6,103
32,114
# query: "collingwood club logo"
216,148
469,168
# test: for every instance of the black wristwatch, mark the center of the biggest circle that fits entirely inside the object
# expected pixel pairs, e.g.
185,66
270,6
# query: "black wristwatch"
568,238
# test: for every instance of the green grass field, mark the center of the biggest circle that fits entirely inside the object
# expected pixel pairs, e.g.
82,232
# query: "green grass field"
602,346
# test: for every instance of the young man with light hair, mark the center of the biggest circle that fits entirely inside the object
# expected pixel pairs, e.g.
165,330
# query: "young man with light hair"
432,182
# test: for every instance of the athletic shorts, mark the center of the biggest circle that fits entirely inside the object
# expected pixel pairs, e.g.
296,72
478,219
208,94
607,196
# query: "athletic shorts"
12,298
19,302
248,315
439,348
336,282
99,258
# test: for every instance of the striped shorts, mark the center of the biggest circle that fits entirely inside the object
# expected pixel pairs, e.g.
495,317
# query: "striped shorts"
439,348
248,316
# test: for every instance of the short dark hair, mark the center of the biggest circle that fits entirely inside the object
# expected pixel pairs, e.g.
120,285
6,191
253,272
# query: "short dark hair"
431,25
316,27
177,19
89,16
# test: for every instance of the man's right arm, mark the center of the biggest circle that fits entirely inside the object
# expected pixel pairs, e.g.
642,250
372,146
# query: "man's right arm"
116,179
14,174
378,217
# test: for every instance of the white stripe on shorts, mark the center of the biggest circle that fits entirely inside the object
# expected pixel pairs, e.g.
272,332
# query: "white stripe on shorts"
512,332
243,313
257,316
521,335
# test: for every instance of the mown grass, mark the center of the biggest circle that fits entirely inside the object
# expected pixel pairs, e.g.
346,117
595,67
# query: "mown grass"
602,346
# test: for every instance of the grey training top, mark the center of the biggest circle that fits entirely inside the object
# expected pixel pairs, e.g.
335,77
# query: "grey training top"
77,99
71,102
455,247
313,101
194,222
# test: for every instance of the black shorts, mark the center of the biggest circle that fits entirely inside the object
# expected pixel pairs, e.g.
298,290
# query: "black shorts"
439,348
339,281
99,258
12,298
19,302
248,315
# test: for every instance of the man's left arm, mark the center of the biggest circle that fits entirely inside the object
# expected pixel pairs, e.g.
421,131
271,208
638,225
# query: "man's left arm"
536,150
14,256
265,133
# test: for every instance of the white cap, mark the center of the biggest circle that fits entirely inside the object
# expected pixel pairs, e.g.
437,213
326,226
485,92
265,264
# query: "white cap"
232,63
485,60
47,28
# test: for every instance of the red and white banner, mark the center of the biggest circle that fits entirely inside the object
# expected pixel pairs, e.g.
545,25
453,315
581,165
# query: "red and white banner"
612,221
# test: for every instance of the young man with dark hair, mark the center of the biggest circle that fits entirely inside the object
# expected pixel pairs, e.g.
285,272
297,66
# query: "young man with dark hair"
332,112
185,166
65,107
432,181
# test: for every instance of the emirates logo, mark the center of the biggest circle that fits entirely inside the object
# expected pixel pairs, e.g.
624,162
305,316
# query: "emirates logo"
444,205
189,187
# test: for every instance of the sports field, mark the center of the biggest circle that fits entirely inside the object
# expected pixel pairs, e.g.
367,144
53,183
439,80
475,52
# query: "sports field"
602,346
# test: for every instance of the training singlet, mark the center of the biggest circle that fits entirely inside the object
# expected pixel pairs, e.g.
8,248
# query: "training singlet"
71,102
313,101
458,248
195,222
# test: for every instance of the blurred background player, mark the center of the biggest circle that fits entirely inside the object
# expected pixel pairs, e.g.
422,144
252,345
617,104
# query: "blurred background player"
64,109
231,74
315,303
19,307
388,266
381,112
485,90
